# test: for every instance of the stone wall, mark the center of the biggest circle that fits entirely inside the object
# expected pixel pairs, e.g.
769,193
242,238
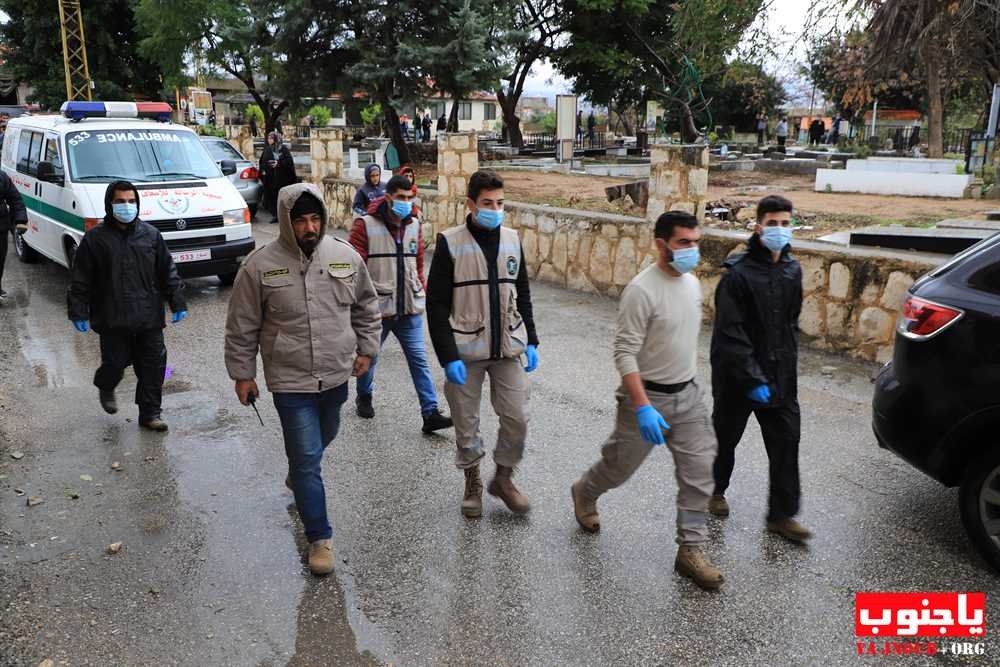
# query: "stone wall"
457,159
326,152
678,179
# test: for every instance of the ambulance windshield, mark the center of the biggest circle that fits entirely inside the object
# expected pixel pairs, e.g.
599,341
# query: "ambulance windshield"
139,155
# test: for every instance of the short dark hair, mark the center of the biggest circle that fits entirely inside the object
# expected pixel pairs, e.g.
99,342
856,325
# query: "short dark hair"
773,204
397,183
666,223
484,179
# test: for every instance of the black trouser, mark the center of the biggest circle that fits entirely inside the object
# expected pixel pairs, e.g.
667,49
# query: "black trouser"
3,251
781,141
781,426
146,353
760,137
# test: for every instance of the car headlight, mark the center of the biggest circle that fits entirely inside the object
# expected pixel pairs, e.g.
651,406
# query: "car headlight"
237,216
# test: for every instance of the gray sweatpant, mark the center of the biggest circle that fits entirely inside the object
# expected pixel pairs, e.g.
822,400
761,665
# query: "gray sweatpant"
690,440
509,395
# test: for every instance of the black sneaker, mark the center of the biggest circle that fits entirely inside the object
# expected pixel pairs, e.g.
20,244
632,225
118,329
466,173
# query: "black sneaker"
108,401
364,406
3,294
435,421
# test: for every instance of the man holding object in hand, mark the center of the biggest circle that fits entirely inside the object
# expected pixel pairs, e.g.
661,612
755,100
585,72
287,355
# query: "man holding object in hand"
307,303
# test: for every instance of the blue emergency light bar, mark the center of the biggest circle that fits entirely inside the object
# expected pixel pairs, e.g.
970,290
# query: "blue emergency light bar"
77,110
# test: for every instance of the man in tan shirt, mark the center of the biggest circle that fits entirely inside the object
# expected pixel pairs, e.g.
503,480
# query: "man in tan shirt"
660,400
307,304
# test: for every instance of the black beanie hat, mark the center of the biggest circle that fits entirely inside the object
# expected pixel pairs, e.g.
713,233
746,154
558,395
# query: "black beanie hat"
304,205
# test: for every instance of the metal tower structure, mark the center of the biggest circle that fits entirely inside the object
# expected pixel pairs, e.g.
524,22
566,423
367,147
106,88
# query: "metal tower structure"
74,50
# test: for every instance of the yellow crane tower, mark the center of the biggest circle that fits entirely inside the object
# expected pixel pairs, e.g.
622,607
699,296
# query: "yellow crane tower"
74,50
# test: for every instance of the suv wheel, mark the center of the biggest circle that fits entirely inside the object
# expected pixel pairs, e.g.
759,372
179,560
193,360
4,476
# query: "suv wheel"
227,279
979,500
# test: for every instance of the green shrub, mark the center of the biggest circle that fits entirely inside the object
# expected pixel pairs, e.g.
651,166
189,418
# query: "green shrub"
255,112
320,115
371,114
211,131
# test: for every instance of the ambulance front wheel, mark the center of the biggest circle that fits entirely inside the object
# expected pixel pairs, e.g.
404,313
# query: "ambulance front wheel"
227,278
24,252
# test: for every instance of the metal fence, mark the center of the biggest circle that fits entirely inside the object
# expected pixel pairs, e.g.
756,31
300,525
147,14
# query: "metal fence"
539,140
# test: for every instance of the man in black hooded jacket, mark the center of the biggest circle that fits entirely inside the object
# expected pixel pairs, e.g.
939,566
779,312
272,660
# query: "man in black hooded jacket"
122,275
754,357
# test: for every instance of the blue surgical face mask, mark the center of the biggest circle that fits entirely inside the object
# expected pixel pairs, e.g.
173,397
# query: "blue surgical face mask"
125,213
402,208
776,238
488,218
685,259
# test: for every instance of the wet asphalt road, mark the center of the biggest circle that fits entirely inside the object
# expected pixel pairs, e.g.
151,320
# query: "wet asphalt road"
210,572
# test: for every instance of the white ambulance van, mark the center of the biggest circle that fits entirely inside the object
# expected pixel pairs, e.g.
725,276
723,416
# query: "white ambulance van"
62,164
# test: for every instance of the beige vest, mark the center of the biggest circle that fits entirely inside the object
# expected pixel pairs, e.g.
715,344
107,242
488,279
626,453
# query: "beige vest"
386,260
472,291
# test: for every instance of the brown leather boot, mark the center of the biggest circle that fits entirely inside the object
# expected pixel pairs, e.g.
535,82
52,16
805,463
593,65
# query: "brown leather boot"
503,488
790,529
585,509
154,424
718,506
692,563
321,557
472,502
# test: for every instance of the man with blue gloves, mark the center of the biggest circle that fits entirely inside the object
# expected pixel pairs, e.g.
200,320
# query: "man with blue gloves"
122,275
481,323
660,401
755,346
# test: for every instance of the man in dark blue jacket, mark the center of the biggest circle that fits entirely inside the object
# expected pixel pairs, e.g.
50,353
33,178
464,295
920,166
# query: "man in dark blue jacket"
755,346
122,275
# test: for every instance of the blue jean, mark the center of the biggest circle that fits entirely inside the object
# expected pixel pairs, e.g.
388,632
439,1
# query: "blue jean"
409,331
309,423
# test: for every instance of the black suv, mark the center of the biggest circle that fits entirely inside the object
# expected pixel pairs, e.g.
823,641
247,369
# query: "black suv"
937,403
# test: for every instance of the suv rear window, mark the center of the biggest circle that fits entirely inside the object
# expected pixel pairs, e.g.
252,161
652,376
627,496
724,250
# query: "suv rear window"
222,150
987,279
986,245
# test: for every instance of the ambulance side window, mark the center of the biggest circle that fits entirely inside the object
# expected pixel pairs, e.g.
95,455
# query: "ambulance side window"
29,150
52,155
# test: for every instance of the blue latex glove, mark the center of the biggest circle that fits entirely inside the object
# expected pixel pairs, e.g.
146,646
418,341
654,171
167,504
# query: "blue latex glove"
178,316
455,372
83,326
760,395
651,425
532,354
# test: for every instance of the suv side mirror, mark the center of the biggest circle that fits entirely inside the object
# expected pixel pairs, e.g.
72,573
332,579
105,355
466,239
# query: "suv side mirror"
47,172
228,167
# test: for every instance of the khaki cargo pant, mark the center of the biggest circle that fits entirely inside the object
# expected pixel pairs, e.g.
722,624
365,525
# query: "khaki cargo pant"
509,395
690,440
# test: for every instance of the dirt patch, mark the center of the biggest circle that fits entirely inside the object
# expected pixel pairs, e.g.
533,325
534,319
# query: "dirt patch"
825,212
832,211
567,191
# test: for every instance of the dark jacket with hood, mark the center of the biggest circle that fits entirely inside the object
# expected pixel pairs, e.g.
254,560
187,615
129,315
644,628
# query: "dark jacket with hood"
121,278
367,193
755,339
12,211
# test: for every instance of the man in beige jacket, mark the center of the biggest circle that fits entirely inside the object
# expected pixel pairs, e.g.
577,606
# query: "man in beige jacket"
307,303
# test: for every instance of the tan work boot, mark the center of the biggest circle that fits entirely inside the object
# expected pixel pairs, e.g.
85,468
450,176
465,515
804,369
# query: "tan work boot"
154,424
692,563
503,488
585,509
472,502
321,557
790,529
718,506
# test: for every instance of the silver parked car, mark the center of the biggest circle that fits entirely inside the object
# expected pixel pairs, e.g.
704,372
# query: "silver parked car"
245,179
